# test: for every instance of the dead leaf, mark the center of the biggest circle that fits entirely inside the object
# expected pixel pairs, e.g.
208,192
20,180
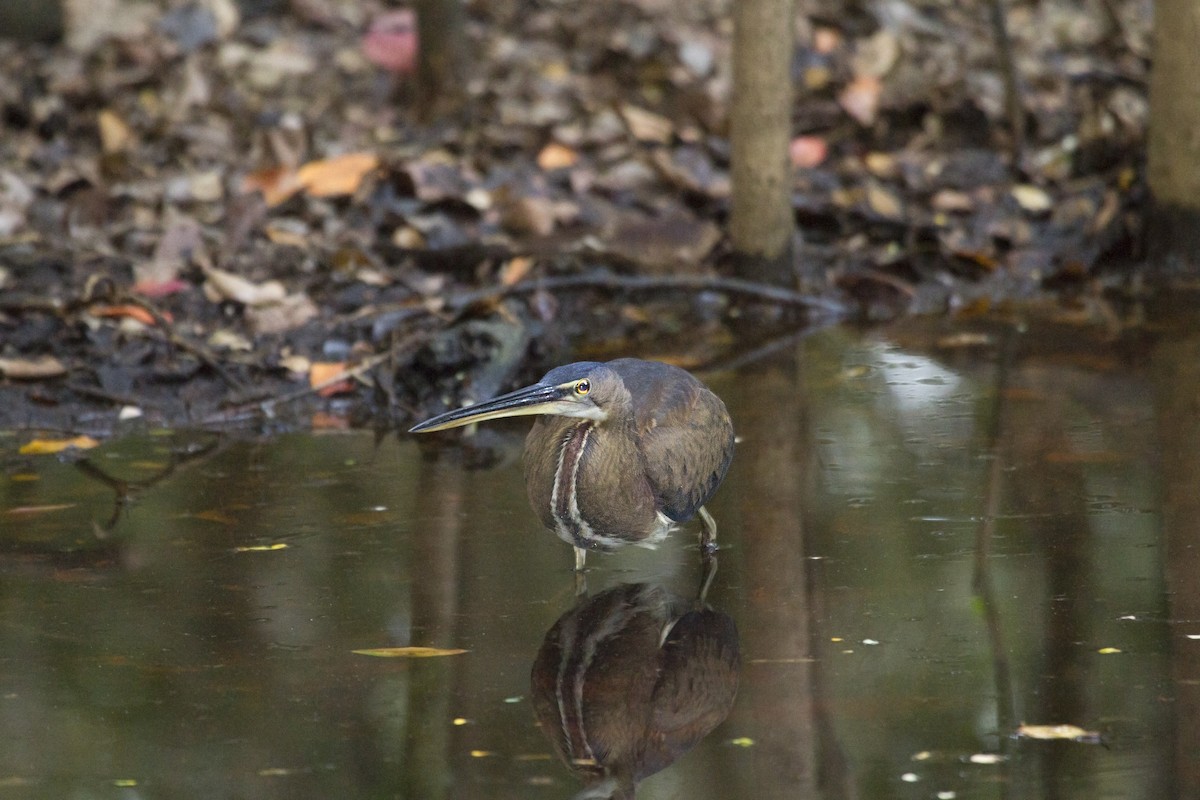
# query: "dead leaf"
409,652
115,135
222,285
524,213
884,202
557,156
646,126
1050,732
860,98
181,243
276,184
337,176
808,151
38,447
391,42
288,314
325,378
515,270
212,515
129,311
1032,198
32,369
29,511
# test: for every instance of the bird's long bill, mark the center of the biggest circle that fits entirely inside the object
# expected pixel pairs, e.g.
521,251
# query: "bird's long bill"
539,398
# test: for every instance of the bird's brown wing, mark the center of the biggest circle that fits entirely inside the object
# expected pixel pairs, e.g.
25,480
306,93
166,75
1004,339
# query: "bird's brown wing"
685,433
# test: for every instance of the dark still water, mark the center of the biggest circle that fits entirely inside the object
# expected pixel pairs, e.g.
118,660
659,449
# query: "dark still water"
931,537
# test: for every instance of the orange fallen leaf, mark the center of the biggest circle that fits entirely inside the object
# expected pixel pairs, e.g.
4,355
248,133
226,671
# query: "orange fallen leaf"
409,652
337,176
131,311
276,184
515,270
557,156
38,447
323,376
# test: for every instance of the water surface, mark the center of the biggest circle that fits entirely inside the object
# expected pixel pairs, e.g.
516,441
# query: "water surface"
931,535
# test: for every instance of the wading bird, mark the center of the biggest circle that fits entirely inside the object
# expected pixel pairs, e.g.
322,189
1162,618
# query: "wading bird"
620,452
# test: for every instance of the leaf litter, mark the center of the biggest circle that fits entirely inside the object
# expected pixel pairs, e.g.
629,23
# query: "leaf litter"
176,177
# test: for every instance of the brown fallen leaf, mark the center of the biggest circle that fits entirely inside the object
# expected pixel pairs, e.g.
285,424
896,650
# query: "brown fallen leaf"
337,176
646,126
115,134
31,369
39,447
288,314
409,652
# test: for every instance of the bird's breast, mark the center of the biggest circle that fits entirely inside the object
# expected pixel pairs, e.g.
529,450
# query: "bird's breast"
587,484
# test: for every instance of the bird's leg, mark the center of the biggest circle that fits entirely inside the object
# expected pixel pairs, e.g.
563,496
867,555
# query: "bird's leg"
580,557
708,532
708,571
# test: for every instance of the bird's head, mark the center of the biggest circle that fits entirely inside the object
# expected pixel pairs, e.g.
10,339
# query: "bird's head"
584,389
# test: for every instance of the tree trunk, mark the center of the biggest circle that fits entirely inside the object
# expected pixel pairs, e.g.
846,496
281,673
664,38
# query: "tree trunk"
760,129
440,59
1174,157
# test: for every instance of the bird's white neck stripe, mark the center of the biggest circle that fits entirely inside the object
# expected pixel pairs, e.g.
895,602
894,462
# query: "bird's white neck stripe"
564,498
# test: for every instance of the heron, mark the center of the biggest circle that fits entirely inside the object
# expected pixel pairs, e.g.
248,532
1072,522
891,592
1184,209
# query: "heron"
620,453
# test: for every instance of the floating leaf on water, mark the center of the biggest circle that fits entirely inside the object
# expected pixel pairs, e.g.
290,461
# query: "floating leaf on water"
261,548
214,516
26,511
1069,732
39,447
409,652
985,758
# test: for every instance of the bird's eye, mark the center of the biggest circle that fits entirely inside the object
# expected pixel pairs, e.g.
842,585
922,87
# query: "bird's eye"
583,387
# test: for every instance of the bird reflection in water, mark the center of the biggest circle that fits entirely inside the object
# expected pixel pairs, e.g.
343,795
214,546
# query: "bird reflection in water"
629,680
